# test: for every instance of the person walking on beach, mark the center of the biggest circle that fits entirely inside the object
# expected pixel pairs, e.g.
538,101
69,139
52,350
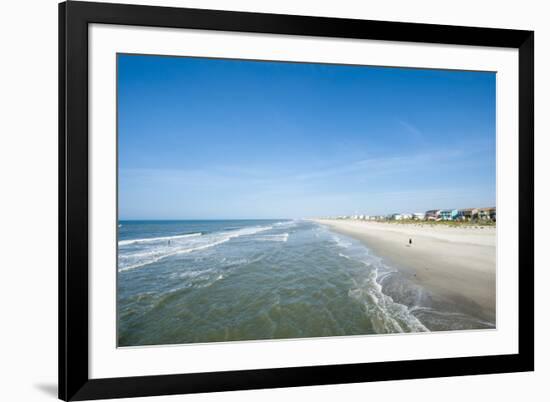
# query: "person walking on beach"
410,241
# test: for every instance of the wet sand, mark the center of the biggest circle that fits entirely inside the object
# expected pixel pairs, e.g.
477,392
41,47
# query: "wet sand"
455,264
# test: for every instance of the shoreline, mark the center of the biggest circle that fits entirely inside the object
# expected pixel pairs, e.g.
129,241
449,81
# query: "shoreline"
457,266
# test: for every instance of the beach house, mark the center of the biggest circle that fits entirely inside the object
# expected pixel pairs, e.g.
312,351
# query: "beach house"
467,214
488,213
432,215
419,216
448,214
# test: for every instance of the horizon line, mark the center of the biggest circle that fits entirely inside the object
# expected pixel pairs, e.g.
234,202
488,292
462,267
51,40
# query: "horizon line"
205,219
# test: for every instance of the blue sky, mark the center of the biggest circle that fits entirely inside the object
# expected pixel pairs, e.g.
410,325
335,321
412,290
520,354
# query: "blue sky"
211,139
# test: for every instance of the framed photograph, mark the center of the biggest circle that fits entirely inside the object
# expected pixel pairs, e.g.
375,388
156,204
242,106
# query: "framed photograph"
256,200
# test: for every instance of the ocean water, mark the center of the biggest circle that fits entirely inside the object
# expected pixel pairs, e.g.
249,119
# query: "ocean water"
216,281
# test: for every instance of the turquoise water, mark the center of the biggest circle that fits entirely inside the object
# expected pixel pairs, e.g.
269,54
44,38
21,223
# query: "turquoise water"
212,281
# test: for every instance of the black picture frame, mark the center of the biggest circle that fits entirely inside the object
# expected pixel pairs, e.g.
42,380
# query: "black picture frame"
74,381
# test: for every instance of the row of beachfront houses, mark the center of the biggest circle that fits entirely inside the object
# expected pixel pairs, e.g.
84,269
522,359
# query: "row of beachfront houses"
465,214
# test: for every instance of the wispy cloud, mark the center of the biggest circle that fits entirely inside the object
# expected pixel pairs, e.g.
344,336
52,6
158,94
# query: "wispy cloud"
412,130
386,165
261,177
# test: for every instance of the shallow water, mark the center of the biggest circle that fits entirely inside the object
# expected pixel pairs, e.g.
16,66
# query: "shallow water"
210,281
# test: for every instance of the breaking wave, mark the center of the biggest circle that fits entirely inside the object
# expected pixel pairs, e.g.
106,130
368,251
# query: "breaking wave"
385,314
138,253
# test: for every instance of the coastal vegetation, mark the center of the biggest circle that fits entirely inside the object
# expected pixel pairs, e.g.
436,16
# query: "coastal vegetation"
455,223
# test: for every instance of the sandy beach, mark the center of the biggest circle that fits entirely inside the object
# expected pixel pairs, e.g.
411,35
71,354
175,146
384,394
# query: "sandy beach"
455,264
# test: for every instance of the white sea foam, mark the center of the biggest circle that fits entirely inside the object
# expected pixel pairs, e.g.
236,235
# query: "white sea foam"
386,314
157,239
341,242
447,314
149,251
285,224
204,246
283,237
